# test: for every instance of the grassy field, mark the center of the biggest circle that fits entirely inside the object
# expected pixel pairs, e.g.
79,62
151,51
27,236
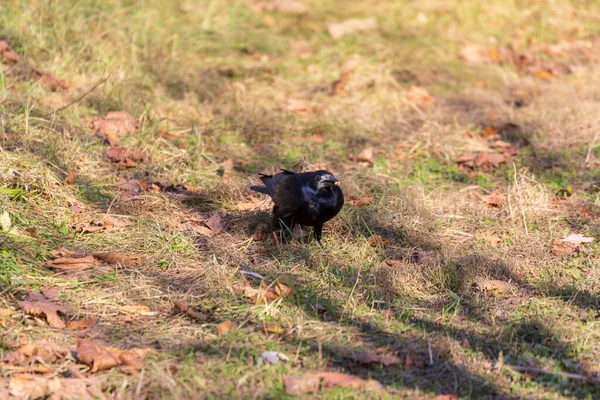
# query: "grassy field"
448,266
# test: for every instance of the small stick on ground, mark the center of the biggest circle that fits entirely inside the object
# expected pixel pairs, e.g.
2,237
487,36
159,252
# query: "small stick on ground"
100,82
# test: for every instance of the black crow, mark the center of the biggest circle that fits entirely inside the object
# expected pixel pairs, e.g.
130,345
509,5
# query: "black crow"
307,198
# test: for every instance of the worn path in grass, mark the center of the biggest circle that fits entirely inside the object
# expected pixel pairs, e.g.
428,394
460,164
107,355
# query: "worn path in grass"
133,249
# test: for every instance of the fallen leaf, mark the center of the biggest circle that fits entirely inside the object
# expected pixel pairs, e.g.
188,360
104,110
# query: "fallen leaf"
112,257
38,306
224,327
266,294
103,357
29,387
125,157
72,264
9,56
298,385
114,125
489,131
339,86
51,293
215,223
420,97
47,79
340,29
194,312
366,155
560,248
227,168
81,324
362,201
378,241
493,287
110,222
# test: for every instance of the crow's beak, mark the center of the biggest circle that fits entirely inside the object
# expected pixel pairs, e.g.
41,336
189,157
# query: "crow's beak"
337,183
329,180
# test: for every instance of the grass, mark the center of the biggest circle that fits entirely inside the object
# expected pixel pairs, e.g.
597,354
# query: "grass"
219,78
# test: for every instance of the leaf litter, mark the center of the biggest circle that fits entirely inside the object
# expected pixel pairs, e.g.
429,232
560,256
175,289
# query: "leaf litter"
570,244
38,306
114,125
310,383
101,357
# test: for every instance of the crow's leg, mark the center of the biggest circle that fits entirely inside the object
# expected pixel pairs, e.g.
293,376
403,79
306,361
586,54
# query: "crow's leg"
318,231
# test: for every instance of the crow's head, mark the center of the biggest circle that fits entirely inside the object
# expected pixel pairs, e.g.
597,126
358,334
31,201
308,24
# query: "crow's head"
324,180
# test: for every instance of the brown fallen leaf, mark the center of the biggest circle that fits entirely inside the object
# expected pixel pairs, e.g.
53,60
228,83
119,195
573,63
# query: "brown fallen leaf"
81,323
340,29
39,306
37,387
476,54
366,155
215,222
420,97
560,248
493,287
362,201
489,131
266,294
114,125
104,357
72,264
224,327
112,257
48,80
5,312
125,157
339,86
194,312
8,55
378,241
309,383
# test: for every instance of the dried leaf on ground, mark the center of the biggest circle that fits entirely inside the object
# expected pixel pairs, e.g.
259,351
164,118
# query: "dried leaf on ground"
378,241
81,323
266,294
215,222
366,155
340,29
8,55
50,293
489,132
49,81
194,312
310,383
114,125
125,157
224,327
5,221
362,201
5,312
495,199
476,54
339,86
493,287
104,357
112,257
39,306
72,264
560,248
420,97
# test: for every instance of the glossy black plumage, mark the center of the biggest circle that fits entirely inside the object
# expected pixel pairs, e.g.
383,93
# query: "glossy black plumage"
307,198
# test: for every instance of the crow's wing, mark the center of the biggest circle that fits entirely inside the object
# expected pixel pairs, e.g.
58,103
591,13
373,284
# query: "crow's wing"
272,182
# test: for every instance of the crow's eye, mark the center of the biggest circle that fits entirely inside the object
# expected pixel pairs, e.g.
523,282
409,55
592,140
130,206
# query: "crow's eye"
318,178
